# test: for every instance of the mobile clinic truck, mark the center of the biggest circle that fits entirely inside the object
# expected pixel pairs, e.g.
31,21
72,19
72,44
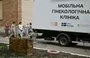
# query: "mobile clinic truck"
67,20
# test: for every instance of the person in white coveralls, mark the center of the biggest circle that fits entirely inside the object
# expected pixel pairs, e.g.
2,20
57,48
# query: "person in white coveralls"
21,29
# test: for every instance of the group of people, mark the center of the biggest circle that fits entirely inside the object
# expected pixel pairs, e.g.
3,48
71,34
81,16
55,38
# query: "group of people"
19,29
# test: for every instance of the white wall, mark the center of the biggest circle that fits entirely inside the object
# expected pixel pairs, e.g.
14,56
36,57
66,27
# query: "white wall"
26,11
0,10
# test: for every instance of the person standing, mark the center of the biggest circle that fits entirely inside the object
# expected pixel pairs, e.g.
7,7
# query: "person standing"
26,29
7,29
13,29
32,33
21,29
30,29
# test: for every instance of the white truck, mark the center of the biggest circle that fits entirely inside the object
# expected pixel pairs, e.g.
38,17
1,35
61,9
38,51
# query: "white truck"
67,20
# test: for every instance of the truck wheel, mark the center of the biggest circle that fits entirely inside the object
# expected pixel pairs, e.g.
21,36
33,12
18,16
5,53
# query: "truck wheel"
64,40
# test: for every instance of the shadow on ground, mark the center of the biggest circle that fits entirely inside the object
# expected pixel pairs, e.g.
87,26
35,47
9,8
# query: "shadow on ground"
37,53
73,45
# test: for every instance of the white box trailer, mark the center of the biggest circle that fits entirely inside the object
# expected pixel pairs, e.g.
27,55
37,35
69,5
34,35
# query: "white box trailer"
67,20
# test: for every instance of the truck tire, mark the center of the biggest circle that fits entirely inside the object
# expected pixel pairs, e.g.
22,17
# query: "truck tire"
64,40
